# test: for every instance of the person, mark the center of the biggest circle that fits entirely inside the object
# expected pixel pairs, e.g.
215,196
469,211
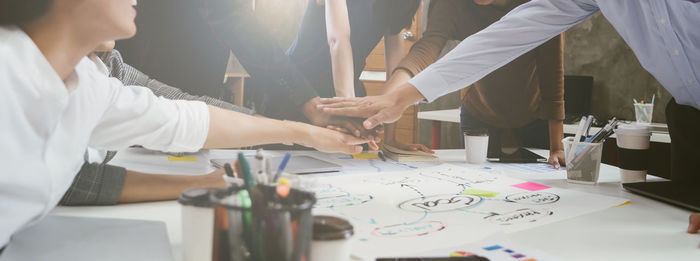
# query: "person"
57,101
335,38
661,33
187,43
534,82
99,183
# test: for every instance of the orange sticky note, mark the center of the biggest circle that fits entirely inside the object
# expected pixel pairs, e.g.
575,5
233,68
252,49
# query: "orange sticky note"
366,155
189,158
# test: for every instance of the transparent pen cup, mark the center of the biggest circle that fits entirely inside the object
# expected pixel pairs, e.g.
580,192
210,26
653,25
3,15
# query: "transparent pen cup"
268,227
643,112
583,163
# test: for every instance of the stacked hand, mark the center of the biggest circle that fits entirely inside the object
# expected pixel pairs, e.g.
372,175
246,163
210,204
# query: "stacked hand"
343,124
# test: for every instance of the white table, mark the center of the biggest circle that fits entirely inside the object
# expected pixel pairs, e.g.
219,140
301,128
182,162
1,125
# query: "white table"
643,230
453,115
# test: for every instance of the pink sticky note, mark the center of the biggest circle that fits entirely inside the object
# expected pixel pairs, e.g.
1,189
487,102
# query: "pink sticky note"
531,186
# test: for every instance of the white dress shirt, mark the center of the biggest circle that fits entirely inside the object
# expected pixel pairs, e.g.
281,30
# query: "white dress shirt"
663,34
47,124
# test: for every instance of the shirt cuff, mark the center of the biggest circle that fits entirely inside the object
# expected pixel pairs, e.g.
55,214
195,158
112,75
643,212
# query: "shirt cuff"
430,85
193,126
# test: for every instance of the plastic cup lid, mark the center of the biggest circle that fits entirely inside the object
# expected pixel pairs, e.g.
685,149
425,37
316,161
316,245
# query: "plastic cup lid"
331,228
198,197
633,130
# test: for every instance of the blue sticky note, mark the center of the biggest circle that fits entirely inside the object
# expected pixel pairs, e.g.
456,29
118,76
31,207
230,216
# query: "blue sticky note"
508,251
494,247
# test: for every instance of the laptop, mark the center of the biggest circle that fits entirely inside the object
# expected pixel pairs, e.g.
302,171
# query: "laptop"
685,195
87,239
521,155
298,164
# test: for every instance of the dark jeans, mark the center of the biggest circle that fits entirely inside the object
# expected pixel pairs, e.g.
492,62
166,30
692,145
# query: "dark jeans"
534,134
684,129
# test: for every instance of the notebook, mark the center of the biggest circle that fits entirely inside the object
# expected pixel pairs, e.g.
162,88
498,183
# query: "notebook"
406,155
82,238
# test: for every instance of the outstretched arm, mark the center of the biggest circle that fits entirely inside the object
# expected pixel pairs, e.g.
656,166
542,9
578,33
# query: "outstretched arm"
228,129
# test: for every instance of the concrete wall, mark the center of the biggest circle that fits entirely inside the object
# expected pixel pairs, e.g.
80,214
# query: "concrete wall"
594,48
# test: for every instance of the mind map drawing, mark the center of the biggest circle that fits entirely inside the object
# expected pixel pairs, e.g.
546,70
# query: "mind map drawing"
396,213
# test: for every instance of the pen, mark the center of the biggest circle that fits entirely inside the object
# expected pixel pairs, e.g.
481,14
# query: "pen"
245,168
577,138
281,167
229,171
587,127
381,155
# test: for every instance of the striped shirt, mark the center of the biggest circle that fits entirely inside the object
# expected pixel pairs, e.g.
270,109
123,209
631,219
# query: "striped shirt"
101,184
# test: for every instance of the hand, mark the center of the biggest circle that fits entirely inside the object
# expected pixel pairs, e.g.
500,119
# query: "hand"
341,123
327,140
385,108
410,147
214,179
694,223
556,158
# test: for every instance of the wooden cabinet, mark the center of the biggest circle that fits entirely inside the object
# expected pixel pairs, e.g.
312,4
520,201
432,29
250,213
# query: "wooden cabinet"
407,126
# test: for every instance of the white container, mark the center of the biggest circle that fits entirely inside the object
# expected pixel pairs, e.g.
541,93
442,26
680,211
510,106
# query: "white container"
643,112
633,144
476,145
584,166
331,239
197,224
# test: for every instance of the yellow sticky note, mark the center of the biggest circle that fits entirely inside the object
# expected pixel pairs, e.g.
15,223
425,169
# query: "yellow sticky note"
480,193
189,158
626,203
367,155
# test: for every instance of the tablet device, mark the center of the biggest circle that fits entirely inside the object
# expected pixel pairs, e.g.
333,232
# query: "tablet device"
298,164
685,195
521,155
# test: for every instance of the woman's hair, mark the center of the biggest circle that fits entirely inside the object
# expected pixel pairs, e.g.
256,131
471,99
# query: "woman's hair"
16,12
397,14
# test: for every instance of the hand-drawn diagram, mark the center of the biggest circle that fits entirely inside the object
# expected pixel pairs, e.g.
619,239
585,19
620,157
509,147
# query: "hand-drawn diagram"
441,206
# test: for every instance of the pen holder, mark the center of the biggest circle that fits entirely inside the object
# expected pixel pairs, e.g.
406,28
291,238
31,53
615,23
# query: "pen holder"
584,166
260,225
643,112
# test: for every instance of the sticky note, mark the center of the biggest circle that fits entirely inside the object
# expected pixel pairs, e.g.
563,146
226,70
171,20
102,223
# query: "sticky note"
480,193
508,251
189,158
626,203
366,155
530,259
518,256
461,253
531,186
494,247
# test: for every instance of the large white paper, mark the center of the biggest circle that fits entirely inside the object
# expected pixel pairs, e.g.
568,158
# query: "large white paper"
492,250
399,213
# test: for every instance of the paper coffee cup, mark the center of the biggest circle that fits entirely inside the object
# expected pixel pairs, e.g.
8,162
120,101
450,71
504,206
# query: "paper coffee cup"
197,224
476,145
331,239
633,146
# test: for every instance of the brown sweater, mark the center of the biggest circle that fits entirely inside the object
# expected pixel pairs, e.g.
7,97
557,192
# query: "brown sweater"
528,88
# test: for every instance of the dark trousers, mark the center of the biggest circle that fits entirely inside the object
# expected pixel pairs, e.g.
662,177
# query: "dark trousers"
684,128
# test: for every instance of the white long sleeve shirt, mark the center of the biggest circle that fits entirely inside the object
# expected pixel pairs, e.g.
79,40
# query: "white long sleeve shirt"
663,34
47,123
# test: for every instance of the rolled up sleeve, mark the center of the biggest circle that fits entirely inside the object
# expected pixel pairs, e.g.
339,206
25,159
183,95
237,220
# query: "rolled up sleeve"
137,117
